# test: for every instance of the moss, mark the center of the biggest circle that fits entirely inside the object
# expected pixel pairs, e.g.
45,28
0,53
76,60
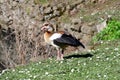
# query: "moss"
28,10
65,18
40,1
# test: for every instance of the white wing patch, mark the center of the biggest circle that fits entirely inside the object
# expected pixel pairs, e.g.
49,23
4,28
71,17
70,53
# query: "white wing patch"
55,36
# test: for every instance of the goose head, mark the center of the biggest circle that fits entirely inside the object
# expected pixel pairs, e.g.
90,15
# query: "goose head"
47,27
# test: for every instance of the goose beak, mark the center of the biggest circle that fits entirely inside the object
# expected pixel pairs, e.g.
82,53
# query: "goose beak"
43,29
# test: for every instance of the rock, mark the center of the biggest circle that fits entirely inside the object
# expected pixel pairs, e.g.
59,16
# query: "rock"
80,6
14,4
76,25
56,13
9,22
76,21
73,11
41,18
41,9
102,1
94,29
60,5
68,7
101,26
87,30
48,10
55,8
47,5
2,1
78,35
63,9
68,27
94,1
86,39
47,17
22,1
76,28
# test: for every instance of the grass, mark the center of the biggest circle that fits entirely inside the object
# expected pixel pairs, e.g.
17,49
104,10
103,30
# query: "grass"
111,32
41,1
103,65
65,18
95,12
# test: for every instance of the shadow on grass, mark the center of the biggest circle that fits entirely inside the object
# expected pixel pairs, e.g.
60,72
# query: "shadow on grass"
79,56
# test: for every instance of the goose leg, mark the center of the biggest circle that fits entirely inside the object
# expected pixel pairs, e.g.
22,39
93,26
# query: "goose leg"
58,55
61,55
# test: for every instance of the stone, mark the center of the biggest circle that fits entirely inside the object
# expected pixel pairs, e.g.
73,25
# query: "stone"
86,39
66,25
48,10
60,5
101,26
55,8
94,29
68,7
41,18
56,13
86,29
78,35
76,21
76,28
63,9
47,17
73,11
41,10
2,1
102,1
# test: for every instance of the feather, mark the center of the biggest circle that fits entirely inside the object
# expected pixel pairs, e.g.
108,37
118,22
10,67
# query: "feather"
55,36
67,40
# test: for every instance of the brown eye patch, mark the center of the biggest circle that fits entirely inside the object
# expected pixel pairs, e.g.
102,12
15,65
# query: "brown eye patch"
45,24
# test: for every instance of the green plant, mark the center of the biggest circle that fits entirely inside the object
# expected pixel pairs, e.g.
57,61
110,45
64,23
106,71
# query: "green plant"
111,32
40,1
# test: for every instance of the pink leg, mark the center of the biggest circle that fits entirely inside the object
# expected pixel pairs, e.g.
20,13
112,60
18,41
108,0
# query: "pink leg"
58,55
61,55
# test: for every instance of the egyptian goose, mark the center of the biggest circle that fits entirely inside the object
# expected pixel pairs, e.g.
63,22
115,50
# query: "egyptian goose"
60,40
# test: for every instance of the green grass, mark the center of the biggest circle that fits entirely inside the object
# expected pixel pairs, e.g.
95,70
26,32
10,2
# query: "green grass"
111,32
41,1
103,65
65,18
